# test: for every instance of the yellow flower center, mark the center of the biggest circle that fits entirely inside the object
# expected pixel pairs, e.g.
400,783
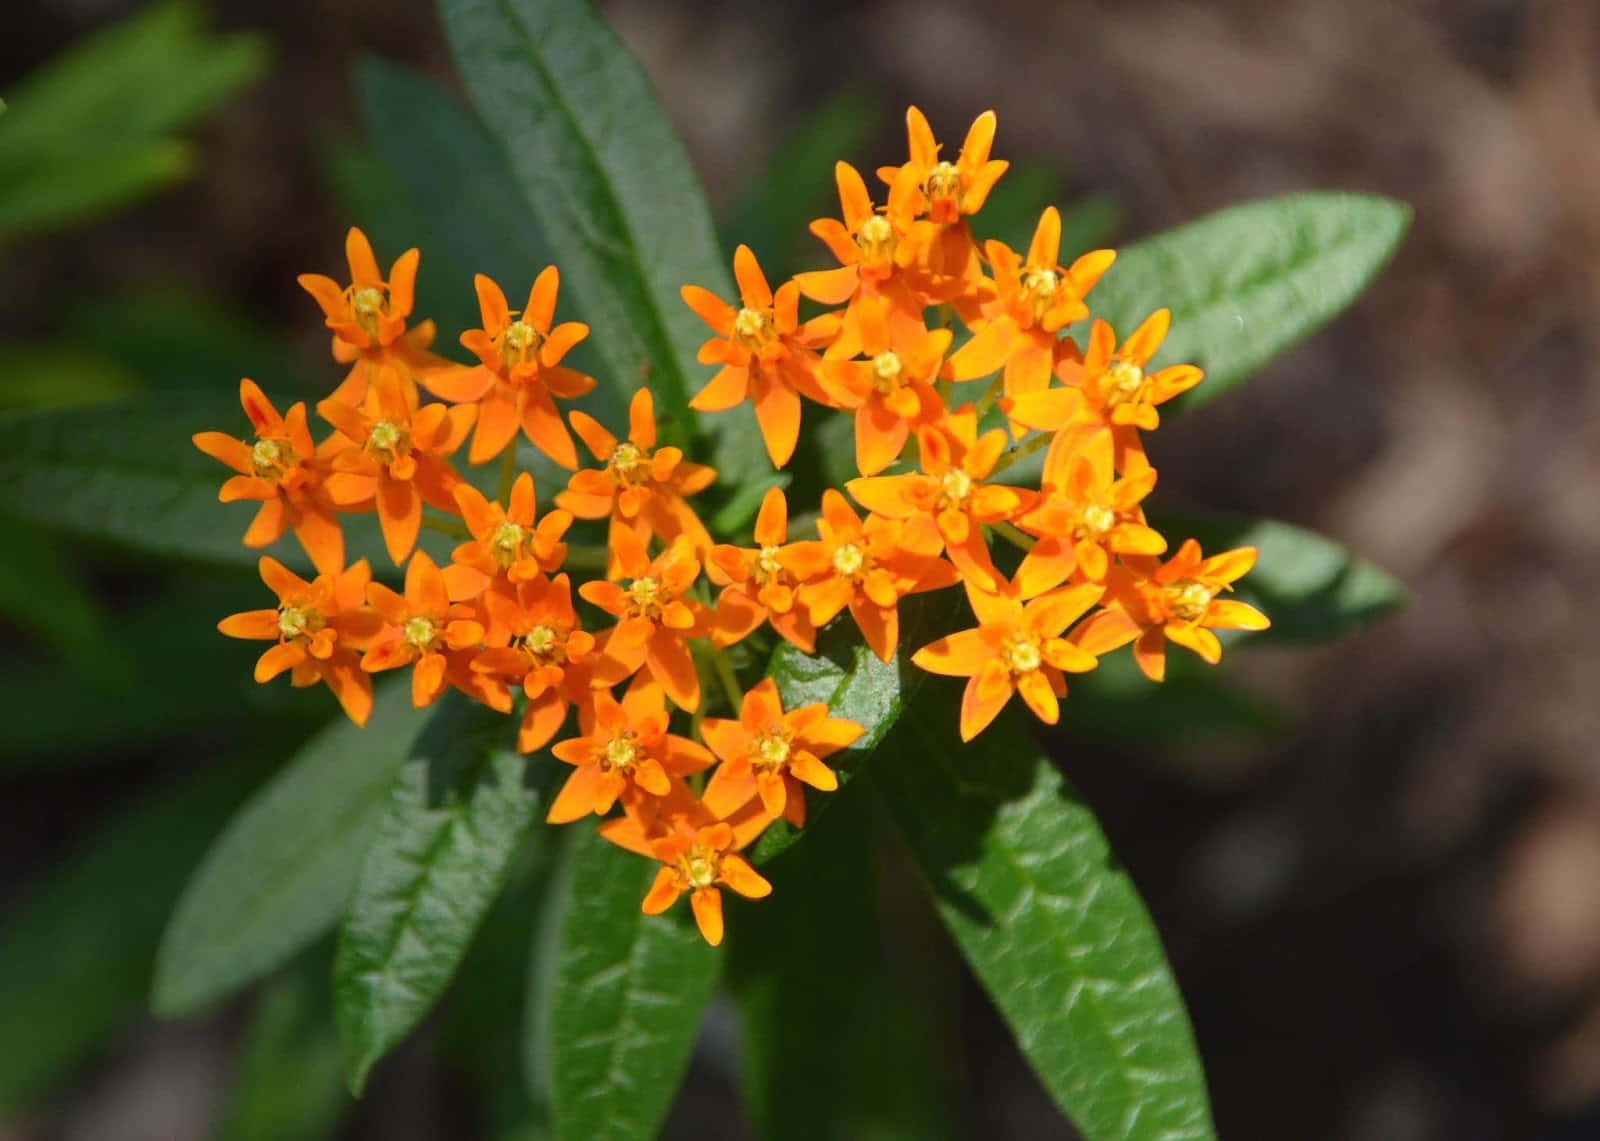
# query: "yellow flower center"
771,751
754,329
849,559
542,642
630,463
271,458
943,181
1187,600
520,342
876,239
886,370
297,622
622,751
1097,518
420,632
1123,383
699,867
505,543
1039,289
955,488
768,569
368,305
644,597
388,441
1021,654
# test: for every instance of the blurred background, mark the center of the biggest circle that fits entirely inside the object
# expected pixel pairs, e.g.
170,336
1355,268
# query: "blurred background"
1375,875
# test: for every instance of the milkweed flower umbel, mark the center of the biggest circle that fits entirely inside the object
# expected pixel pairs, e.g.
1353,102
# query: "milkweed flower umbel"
699,862
626,745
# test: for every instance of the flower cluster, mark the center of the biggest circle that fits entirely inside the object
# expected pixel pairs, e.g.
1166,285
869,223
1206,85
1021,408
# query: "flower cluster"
645,633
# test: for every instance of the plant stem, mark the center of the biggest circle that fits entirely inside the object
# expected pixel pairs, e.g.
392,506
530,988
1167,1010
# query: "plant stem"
1021,451
508,472
730,683
990,394
445,527
1013,536
585,558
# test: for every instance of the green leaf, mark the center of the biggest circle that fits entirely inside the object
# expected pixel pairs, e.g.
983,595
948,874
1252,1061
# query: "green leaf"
453,821
62,374
622,1000
831,1043
1057,934
606,177
62,997
287,1080
1117,702
1247,282
41,592
856,686
280,874
78,187
1311,588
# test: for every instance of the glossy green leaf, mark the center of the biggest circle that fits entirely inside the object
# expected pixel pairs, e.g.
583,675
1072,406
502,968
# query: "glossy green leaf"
1054,930
454,819
832,1045
281,872
622,1000
1247,282
856,686
288,1077
1312,588
603,172
62,997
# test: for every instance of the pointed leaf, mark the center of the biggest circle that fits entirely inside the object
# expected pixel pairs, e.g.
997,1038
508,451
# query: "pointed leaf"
623,998
1247,282
281,872
603,172
1057,934
453,822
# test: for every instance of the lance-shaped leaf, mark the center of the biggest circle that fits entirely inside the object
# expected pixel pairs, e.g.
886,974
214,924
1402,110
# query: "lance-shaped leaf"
609,182
618,1000
1247,282
1311,587
454,819
1057,934
856,686
281,872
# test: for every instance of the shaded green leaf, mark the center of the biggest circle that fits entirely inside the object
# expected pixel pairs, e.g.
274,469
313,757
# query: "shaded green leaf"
281,872
61,375
618,1011
41,592
831,1044
606,177
78,187
1247,282
857,686
61,995
454,819
1118,702
288,1079
1057,934
1312,588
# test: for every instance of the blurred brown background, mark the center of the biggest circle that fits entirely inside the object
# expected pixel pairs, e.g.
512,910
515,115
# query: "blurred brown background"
1386,920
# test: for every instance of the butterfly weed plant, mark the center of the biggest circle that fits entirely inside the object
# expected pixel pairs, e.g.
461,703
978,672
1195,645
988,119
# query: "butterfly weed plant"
878,523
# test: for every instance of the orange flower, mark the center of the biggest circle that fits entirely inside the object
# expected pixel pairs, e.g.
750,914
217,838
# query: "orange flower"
405,448
868,568
893,391
1108,385
505,540
654,618
1034,300
519,373
421,624
696,860
319,627
950,190
757,585
548,652
281,471
870,246
1017,647
1174,601
626,746
642,488
950,492
764,351
769,754
368,317
1085,515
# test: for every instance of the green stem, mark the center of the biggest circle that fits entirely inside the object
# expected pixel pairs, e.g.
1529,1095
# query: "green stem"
445,527
508,472
1013,536
1021,451
990,394
585,558
730,683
